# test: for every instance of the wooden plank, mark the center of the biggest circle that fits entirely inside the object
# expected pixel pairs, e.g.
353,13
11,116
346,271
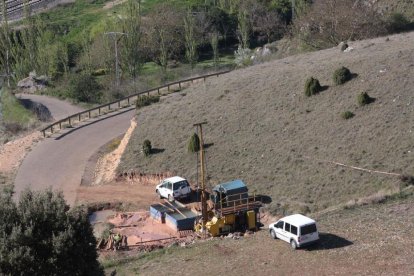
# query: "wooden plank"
175,208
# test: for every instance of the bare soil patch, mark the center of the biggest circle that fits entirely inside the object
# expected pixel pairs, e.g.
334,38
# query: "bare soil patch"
12,153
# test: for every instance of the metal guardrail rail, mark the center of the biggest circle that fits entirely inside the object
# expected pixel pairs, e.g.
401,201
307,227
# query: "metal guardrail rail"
116,105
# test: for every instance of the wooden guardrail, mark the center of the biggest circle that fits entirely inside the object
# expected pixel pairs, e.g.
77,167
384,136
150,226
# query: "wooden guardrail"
116,105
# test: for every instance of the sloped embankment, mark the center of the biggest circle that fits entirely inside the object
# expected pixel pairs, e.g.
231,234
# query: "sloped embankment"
264,130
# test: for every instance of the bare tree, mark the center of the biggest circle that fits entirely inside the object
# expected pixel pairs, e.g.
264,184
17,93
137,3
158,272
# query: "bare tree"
328,22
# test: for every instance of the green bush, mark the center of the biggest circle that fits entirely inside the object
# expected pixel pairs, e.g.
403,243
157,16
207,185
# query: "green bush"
194,143
342,75
146,100
99,72
40,235
364,99
85,88
147,147
312,87
347,115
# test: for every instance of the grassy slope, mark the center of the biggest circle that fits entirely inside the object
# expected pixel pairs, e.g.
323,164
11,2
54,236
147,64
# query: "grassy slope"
362,241
263,127
13,112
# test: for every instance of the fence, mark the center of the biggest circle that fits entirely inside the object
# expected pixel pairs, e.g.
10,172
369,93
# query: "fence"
116,105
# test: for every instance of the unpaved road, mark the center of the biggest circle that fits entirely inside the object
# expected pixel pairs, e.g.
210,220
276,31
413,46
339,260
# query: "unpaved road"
59,161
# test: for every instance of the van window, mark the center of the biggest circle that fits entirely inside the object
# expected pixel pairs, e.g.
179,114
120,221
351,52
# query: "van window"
287,227
307,229
168,185
294,230
279,224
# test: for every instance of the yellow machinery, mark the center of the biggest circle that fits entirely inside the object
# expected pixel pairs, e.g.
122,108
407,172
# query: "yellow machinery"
217,226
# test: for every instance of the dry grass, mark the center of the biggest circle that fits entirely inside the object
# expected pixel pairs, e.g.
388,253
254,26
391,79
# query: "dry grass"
368,240
260,126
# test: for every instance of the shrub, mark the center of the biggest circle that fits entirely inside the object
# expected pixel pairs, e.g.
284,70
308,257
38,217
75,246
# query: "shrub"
364,99
397,22
40,235
146,100
242,57
147,147
99,72
85,88
312,87
347,115
342,75
194,143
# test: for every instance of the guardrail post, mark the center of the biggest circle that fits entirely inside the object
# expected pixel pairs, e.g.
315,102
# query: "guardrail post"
89,114
79,117
70,124
60,125
158,90
128,100
119,104
168,88
51,128
109,106
179,85
99,111
44,133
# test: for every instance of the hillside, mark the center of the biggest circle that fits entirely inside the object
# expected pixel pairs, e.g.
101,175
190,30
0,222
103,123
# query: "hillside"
261,128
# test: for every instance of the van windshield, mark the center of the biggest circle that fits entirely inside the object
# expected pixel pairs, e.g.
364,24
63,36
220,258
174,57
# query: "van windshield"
179,185
307,229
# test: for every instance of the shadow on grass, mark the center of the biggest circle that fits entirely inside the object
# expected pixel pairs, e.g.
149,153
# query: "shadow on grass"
353,76
206,146
41,111
329,241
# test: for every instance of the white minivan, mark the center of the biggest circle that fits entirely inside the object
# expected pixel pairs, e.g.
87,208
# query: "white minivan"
298,230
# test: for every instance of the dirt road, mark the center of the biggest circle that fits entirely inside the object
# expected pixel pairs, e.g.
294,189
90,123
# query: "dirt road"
59,161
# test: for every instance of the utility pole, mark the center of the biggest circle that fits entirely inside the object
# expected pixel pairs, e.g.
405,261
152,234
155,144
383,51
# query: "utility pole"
204,217
7,68
115,35
293,9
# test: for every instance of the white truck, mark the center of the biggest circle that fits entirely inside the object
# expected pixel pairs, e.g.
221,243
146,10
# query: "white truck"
174,188
298,230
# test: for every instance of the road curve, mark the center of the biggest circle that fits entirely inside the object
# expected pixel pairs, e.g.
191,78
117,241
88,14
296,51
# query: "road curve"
58,108
59,161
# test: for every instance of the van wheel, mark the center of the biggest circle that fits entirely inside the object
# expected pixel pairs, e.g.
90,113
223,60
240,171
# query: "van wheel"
273,234
293,244
159,194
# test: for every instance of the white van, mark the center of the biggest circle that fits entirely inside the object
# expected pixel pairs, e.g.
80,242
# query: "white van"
297,230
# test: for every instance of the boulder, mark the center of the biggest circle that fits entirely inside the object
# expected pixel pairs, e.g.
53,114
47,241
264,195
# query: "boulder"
32,83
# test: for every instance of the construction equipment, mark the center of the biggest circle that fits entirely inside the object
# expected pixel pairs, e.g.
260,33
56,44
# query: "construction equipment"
232,209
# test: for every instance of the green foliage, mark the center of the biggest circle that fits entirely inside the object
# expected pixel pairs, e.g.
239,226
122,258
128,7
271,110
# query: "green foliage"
99,72
364,99
347,115
147,147
15,116
342,75
190,38
40,235
146,100
194,143
312,87
85,88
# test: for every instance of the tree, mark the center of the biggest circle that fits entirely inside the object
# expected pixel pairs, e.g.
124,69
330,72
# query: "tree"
163,34
328,22
131,26
190,38
85,88
40,235
194,143
214,40
5,42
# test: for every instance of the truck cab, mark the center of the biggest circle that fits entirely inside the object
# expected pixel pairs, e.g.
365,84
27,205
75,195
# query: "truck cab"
228,194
